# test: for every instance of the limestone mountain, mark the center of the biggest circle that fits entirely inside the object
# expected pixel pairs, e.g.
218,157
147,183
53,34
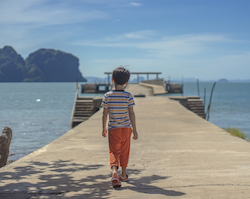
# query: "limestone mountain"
49,65
44,65
12,65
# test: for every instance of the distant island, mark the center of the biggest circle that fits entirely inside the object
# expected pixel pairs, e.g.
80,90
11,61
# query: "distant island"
43,65
223,80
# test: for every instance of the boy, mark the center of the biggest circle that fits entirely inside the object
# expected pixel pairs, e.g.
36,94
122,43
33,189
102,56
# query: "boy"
118,104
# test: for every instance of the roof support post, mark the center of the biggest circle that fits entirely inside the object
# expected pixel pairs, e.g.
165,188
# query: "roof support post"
108,80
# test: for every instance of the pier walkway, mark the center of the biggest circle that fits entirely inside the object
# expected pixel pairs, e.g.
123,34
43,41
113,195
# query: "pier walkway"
178,155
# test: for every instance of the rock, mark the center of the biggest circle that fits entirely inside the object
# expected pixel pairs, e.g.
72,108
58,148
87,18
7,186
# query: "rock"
12,65
5,140
49,65
44,65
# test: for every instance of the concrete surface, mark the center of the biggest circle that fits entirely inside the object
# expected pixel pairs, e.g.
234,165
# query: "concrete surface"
157,90
178,155
137,89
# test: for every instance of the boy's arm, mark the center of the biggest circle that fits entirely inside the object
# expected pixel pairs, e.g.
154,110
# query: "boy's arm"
132,119
104,122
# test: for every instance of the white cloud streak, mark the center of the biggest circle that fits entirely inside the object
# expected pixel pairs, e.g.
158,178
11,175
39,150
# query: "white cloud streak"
146,34
181,45
135,4
230,66
43,13
29,23
207,56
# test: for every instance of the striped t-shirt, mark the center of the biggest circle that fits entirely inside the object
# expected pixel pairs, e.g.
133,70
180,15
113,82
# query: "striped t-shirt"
117,103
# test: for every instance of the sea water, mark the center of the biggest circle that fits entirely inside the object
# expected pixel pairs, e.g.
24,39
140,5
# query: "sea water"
230,105
38,113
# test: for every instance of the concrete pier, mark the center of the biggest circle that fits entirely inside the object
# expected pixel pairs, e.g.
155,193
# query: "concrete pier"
178,155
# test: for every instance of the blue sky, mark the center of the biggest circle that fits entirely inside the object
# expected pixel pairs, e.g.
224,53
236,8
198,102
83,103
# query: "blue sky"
208,40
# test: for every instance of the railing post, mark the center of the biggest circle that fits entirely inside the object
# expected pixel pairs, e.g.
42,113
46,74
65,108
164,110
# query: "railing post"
198,87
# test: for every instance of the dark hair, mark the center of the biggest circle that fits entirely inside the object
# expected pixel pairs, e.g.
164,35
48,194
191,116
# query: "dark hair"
121,75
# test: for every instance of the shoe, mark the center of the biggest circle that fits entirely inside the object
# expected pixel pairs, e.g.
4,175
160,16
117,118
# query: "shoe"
123,180
116,183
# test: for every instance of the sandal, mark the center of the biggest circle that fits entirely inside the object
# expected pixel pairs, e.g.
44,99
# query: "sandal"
123,179
115,182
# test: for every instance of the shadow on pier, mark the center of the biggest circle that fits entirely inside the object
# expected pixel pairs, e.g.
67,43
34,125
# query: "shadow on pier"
60,182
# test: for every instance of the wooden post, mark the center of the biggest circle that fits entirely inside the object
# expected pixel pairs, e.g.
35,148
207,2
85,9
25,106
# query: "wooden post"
137,78
5,140
205,100
182,85
108,80
198,87
147,76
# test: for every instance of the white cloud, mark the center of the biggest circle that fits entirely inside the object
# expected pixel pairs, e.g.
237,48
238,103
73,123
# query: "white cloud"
230,67
182,45
205,56
198,38
135,4
28,24
140,34
44,13
145,34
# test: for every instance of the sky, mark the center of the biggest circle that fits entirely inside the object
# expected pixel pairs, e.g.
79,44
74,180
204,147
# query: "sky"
204,39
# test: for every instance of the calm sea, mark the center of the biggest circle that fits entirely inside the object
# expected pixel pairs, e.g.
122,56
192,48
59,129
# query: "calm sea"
38,113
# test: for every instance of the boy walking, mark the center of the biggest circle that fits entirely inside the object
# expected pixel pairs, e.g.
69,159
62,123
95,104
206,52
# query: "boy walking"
118,104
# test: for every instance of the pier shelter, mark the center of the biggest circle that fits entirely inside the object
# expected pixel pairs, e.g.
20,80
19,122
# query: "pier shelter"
137,73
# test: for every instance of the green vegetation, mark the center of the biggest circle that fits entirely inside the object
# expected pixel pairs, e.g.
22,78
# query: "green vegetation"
236,132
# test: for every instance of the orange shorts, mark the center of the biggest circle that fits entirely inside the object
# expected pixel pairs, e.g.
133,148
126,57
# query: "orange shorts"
119,146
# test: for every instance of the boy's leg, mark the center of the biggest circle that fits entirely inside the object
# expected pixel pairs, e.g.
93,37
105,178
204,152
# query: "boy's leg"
115,180
114,171
125,149
123,174
114,155
114,148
